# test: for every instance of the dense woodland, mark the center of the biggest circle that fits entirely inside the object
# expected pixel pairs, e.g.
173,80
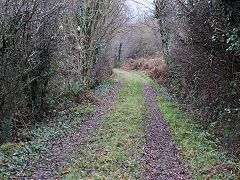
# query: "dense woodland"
91,89
55,49
48,50
201,43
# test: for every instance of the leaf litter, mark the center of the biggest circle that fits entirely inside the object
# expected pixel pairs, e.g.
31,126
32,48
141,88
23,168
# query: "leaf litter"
162,157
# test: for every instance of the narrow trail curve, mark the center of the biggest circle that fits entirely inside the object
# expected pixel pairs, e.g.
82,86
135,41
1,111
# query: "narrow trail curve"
162,157
48,166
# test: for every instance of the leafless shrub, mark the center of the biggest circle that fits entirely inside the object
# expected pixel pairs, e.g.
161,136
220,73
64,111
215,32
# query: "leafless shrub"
201,51
88,29
46,47
27,33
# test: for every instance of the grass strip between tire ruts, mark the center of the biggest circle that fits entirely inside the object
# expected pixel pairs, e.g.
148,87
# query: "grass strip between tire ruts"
116,148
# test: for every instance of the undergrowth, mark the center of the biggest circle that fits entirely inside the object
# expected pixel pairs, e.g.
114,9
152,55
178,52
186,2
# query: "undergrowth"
14,156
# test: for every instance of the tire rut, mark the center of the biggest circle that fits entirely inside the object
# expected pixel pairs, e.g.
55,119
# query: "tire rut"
162,157
48,165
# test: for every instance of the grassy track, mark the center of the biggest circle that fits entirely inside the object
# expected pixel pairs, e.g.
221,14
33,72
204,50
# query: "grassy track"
115,151
116,148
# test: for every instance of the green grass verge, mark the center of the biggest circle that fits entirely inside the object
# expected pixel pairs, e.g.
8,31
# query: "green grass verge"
201,155
115,150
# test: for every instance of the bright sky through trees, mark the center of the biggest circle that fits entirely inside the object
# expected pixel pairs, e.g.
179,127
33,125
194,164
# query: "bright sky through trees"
140,7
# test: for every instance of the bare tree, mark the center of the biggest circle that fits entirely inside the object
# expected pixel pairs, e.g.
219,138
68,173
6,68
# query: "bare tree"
91,28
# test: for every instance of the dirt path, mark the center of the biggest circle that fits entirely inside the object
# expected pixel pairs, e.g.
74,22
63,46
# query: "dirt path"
48,166
162,158
127,138
160,155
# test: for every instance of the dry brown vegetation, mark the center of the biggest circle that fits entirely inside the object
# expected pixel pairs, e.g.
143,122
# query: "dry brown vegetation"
154,67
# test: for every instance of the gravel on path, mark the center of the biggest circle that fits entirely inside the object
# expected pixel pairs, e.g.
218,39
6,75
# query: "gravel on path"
162,157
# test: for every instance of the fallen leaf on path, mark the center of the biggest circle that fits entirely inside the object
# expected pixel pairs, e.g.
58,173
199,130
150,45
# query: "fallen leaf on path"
65,171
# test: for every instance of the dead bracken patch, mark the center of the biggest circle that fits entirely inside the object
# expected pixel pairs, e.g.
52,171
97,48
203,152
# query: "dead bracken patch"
154,67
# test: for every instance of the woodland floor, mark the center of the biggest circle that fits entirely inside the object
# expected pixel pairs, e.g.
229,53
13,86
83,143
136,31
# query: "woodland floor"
132,134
